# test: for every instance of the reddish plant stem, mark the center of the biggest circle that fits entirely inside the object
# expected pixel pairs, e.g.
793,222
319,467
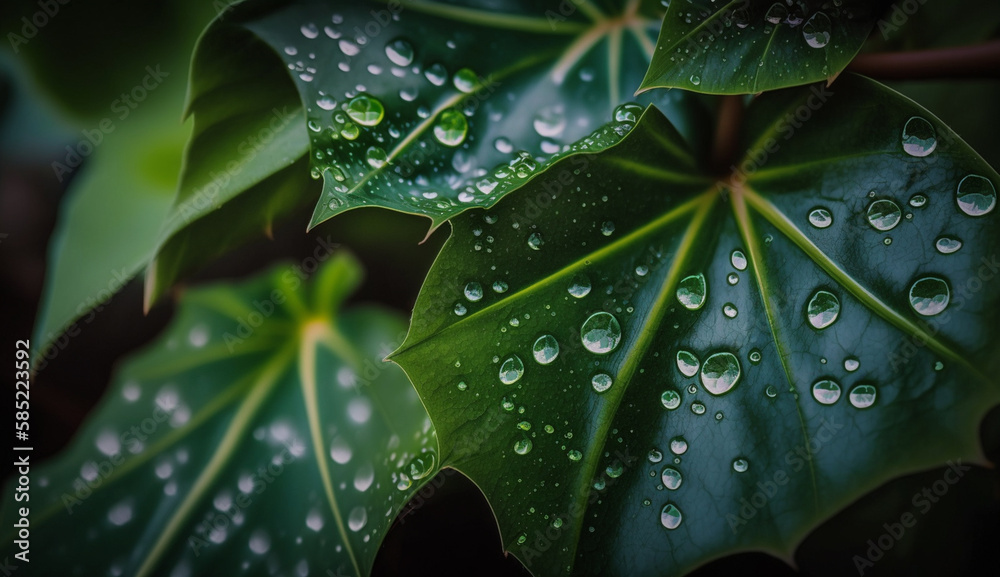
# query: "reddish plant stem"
727,133
975,61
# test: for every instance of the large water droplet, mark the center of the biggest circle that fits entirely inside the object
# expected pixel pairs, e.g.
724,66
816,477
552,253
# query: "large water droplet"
436,74
820,217
421,465
919,138
400,52
601,333
929,296
947,244
607,228
357,518
465,80
671,478
473,291
884,214
671,399
687,363
511,370
691,291
816,30
863,396
678,445
670,516
738,260
451,128
776,13
601,382
720,373
976,195
545,349
579,286
826,392
522,446
823,309
550,122
730,310
365,110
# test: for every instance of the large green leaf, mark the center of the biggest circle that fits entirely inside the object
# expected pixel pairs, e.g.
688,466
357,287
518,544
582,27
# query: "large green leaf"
698,322
419,106
261,431
749,46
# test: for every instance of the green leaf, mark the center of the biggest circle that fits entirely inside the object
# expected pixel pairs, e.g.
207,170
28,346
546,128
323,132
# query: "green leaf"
685,312
749,46
262,430
244,166
419,106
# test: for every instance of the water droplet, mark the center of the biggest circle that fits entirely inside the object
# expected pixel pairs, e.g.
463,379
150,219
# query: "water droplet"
671,399
545,349
601,333
738,260
820,217
741,465
976,195
947,244
732,278
579,286
754,356
473,291
574,455
776,13
451,128
678,445
671,478
654,456
670,516
698,408
550,122
826,392
260,542
460,309
851,364
522,447
628,112
535,241
687,363
929,296
720,373
641,270
918,200
729,309
695,79
462,386
376,157
823,309
365,110
465,80
511,370
357,519
938,366
607,228
400,52
884,214
816,30
421,465
771,391
557,522
691,291
601,382
614,471
919,138
507,404
863,396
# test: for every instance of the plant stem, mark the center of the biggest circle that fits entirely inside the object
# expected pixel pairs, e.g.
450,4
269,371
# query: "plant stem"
975,61
727,133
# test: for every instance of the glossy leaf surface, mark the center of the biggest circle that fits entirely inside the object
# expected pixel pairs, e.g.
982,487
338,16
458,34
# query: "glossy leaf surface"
695,367
261,433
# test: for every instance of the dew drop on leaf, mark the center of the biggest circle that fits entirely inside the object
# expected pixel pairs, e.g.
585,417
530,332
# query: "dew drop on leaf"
365,110
579,286
816,31
535,241
511,370
826,391
545,350
691,291
884,214
670,516
740,465
473,291
863,396
451,128
601,333
919,138
671,399
720,373
687,363
820,217
400,52
738,260
671,478
976,195
929,296
522,447
678,445
601,382
947,244
823,309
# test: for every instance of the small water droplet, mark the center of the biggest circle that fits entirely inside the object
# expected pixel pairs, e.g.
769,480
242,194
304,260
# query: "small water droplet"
421,465
671,399
698,408
601,382
522,447
754,356
574,455
826,391
863,396
976,195
535,241
654,456
400,52
938,366
738,260
771,391
720,373
678,445
918,200
741,465
465,80
816,30
460,309
884,214
579,286
687,363
851,364
451,128
607,228
947,244
919,138
695,79
601,333
545,349
823,309
820,217
550,122
670,516
357,518
730,310
641,270
376,157
671,478
365,110
929,296
732,278
691,291
462,386
511,370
